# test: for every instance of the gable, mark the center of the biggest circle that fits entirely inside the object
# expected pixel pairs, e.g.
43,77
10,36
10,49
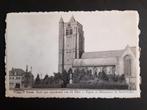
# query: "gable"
129,51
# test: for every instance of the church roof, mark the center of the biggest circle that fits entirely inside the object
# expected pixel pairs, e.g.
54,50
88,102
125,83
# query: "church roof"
94,62
105,54
102,54
100,58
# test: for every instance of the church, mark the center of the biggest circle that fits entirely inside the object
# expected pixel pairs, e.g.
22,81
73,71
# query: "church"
72,54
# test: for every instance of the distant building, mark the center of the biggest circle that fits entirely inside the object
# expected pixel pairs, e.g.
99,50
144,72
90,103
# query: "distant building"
72,55
19,78
15,78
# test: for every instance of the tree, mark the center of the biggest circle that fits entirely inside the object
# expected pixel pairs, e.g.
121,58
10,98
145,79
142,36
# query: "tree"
28,79
37,81
51,80
57,78
70,71
65,78
122,78
76,76
103,76
45,80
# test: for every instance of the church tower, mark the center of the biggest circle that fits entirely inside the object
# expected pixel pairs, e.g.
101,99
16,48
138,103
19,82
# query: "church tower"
61,46
71,43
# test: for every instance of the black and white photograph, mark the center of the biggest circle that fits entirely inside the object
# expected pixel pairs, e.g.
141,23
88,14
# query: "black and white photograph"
78,54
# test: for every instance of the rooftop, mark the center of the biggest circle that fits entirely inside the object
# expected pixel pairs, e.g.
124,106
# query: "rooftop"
105,54
16,71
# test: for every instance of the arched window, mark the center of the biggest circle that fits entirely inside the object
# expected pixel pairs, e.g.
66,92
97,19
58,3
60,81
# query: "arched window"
70,31
127,65
67,31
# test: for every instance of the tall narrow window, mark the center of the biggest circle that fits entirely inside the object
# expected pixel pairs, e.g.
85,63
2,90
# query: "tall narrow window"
127,65
67,32
70,31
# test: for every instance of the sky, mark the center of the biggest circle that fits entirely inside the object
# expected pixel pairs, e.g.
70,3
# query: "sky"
32,38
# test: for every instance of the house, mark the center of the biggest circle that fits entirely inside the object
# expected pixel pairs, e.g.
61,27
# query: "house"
18,78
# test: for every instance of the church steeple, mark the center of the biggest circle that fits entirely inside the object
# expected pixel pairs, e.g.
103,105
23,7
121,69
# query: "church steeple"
72,19
61,20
